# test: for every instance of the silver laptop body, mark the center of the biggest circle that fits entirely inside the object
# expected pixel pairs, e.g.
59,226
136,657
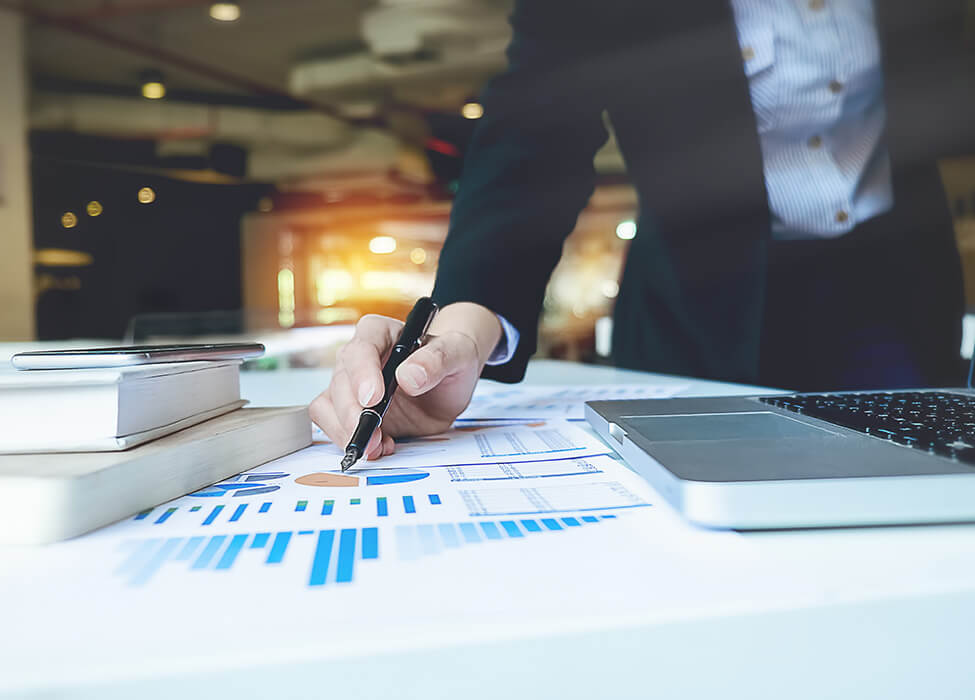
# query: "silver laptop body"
739,462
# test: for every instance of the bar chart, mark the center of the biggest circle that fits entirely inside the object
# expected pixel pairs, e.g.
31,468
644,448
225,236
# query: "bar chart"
406,504
569,466
328,556
607,495
334,554
417,541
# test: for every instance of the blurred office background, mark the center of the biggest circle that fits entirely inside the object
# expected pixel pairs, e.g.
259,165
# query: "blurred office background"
174,168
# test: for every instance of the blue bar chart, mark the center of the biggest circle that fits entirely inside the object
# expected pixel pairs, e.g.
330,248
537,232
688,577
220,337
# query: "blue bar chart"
333,558
417,541
215,514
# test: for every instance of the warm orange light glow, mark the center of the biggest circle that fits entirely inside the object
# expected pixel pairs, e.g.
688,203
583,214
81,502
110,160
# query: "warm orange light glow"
94,208
146,195
69,219
418,256
286,298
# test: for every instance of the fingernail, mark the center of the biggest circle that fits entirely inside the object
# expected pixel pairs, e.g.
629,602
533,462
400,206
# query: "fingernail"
365,393
415,377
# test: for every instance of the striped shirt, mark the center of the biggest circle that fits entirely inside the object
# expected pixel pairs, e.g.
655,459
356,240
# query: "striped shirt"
816,86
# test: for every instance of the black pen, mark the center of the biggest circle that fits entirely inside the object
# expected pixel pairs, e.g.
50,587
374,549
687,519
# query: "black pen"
410,338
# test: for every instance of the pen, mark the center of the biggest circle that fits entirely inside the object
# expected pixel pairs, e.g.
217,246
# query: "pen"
410,338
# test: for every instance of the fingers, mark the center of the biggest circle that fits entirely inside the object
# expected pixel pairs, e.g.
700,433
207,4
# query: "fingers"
362,357
322,411
440,358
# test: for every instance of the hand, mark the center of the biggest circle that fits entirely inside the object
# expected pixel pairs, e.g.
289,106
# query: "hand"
435,382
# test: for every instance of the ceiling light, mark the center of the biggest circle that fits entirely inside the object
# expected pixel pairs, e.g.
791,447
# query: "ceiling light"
153,87
146,195
626,230
472,110
94,208
69,219
225,11
382,245
418,256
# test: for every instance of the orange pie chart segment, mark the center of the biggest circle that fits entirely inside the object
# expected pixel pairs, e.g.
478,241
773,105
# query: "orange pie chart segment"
326,479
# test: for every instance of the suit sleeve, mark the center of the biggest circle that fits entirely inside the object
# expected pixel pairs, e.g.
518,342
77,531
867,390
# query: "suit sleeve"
527,174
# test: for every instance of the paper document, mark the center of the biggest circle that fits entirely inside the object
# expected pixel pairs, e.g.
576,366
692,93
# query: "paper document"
473,443
530,402
489,529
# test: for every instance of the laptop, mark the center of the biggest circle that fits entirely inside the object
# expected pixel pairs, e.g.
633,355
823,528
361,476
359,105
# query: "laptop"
803,460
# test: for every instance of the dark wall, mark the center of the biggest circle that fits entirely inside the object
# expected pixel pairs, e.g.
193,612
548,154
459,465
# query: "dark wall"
181,253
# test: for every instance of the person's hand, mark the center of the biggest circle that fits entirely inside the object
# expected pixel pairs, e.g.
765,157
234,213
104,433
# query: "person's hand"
435,382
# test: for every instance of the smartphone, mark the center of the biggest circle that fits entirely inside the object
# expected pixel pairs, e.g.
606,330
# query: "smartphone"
127,356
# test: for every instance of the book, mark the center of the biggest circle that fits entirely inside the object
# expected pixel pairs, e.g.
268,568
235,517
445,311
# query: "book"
51,497
88,410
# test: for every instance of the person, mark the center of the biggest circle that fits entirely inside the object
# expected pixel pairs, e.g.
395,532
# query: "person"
793,227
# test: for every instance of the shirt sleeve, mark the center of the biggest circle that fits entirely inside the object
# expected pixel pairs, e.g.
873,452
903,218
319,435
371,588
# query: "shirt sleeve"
507,343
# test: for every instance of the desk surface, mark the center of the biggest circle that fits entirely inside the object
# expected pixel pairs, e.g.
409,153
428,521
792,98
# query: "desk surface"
879,612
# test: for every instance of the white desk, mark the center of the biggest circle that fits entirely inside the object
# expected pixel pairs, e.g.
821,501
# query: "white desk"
890,616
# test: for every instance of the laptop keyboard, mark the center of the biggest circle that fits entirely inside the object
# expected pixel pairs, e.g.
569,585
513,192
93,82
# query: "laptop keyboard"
939,422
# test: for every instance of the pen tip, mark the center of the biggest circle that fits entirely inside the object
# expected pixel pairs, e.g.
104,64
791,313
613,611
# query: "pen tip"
348,460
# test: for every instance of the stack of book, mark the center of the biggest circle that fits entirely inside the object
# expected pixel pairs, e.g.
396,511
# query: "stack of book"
81,448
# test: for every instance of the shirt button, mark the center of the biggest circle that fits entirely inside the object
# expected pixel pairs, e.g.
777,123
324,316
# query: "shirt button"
815,142
842,217
835,86
817,4
748,53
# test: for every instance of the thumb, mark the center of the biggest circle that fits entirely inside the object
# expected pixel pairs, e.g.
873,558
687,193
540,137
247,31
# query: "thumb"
440,358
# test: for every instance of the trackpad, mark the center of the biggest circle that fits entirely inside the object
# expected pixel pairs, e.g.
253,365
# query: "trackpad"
722,426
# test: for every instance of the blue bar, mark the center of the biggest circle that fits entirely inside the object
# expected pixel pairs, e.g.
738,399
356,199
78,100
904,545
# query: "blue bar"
230,554
139,556
406,542
408,504
165,516
428,540
343,570
239,512
370,543
213,515
608,517
189,548
511,528
571,522
306,532
265,507
300,506
279,547
491,530
531,525
209,552
434,499
382,509
157,560
590,519
448,535
323,553
469,532
143,515
260,540
551,523
327,506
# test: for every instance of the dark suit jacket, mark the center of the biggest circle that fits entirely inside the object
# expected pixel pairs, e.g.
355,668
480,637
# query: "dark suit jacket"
670,77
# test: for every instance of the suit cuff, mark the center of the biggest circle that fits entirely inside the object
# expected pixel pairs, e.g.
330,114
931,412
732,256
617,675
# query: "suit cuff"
507,344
